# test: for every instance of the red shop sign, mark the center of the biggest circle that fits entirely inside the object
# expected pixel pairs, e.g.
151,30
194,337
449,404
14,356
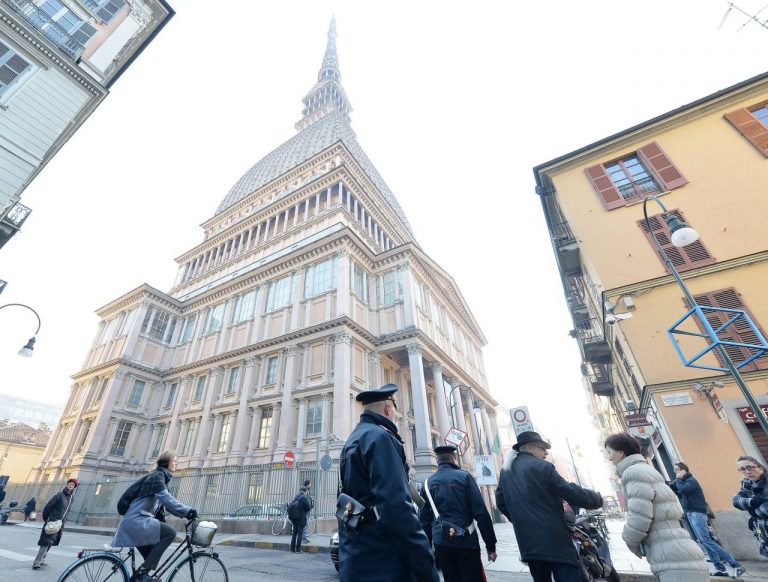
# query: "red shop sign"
746,414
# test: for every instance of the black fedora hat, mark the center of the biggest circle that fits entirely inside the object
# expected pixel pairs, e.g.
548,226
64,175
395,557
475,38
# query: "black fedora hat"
528,437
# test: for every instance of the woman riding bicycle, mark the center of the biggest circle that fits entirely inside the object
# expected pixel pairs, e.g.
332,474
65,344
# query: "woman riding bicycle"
141,528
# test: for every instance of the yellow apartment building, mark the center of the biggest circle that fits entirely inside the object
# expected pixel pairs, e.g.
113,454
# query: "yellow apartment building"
707,162
21,450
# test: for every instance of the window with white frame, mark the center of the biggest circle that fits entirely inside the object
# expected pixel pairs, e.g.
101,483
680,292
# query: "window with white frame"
158,324
84,435
320,278
159,440
187,328
279,294
171,395
125,323
234,374
136,392
105,9
271,376
389,287
12,68
245,306
360,282
121,438
215,318
226,423
101,390
314,417
199,388
265,428
188,437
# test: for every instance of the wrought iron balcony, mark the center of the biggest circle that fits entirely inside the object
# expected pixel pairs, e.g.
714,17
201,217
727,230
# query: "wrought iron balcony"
594,347
12,222
601,380
562,234
639,189
575,295
42,21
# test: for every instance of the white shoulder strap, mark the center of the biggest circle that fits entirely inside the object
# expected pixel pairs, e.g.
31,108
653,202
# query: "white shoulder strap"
429,496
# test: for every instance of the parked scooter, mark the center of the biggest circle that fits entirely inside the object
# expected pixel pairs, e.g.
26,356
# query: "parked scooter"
5,512
590,537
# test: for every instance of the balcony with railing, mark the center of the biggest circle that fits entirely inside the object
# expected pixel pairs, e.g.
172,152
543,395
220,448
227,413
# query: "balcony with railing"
576,297
11,223
43,22
638,189
600,379
594,346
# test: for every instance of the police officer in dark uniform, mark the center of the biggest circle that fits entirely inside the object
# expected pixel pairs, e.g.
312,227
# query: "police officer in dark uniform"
459,504
389,545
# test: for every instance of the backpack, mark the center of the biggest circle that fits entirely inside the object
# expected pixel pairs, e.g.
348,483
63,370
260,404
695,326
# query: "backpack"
130,494
295,511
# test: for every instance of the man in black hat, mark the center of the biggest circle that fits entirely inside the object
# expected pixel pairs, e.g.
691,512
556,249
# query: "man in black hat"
531,494
454,504
389,543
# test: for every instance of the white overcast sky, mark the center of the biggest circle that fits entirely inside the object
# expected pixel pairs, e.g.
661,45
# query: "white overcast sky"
454,102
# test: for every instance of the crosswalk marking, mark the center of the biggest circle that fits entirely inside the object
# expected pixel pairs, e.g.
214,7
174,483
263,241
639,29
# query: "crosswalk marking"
16,556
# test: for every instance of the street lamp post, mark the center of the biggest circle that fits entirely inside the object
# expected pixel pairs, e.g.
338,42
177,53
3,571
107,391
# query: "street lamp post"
26,351
682,235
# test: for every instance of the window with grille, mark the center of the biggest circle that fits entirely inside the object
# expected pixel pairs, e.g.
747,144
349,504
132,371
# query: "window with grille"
12,68
265,428
234,374
389,287
226,423
215,318
158,324
739,331
121,438
188,328
320,278
244,307
199,388
314,417
684,258
171,395
279,294
159,440
136,392
271,376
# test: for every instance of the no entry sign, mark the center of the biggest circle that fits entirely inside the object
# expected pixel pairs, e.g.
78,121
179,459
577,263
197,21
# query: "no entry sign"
289,459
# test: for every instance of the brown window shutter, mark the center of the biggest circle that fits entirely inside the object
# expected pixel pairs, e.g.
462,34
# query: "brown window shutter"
737,332
751,128
604,187
661,166
684,258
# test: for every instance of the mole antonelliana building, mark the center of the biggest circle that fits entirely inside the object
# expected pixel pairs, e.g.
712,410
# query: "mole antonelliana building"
307,288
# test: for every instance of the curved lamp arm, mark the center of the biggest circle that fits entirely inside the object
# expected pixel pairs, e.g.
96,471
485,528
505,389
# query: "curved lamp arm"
26,351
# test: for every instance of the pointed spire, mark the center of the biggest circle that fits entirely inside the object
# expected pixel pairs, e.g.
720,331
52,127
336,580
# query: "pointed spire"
327,95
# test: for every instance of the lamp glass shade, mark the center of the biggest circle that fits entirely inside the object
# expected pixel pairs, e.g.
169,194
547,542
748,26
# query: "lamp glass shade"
26,351
684,236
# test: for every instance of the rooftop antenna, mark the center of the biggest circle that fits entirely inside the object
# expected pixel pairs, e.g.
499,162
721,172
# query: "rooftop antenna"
750,17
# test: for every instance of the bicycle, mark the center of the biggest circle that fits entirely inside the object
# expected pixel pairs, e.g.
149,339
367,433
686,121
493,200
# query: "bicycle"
281,521
102,565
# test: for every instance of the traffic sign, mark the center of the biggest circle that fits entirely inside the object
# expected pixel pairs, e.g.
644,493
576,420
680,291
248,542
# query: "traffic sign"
289,459
326,462
521,420
485,472
455,437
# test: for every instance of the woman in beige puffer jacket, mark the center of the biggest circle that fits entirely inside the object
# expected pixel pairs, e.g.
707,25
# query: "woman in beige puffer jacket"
653,516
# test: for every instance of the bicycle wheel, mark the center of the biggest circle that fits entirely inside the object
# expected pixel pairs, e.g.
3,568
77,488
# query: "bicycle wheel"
207,568
278,524
311,525
96,568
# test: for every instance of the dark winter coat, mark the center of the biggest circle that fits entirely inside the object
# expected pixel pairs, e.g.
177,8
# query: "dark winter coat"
458,501
306,506
753,498
373,471
2,494
55,510
691,494
30,506
531,494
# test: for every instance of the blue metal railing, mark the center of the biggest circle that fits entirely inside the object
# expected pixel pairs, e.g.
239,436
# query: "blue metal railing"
51,29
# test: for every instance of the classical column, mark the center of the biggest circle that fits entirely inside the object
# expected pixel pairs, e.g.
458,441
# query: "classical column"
213,442
342,369
479,445
239,441
324,420
409,305
352,409
489,435
133,333
443,423
298,291
423,455
301,423
204,436
288,379
109,436
99,428
275,424
342,283
374,361
256,414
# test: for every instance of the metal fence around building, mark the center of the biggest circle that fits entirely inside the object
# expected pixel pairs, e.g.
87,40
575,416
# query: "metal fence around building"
252,491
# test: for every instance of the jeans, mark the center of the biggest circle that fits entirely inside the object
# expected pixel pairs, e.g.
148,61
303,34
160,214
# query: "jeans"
544,571
297,536
714,550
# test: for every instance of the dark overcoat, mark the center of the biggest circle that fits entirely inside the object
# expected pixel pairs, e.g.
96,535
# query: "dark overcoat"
306,507
55,510
531,494
690,493
373,471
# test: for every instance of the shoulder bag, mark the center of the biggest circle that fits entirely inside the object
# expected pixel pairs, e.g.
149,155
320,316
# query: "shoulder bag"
449,531
53,527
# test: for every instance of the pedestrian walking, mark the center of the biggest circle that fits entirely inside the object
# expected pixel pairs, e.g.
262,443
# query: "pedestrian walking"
308,485
298,509
653,527
454,505
143,525
380,537
54,518
530,494
694,504
753,498
29,508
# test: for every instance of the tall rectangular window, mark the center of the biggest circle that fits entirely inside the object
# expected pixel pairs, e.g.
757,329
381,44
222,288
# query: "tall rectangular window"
389,287
121,438
199,387
12,68
185,449
271,376
158,324
159,440
279,294
101,390
215,318
105,9
314,417
84,438
226,423
125,323
187,328
244,307
265,429
234,374
136,392
320,278
64,434
360,282
171,395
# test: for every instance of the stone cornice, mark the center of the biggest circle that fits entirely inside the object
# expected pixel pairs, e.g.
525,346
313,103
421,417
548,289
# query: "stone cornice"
143,291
